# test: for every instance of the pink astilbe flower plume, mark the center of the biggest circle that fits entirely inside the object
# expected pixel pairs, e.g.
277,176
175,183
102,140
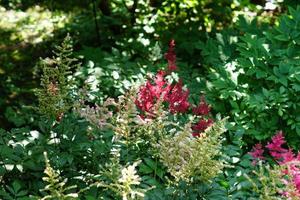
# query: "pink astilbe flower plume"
284,157
257,153
296,181
275,146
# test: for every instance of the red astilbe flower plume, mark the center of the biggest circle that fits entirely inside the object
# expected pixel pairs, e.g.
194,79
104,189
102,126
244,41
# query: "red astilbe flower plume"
145,100
201,126
178,99
149,93
170,56
203,108
161,87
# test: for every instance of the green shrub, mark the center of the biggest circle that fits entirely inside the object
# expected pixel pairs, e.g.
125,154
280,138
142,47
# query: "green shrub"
254,74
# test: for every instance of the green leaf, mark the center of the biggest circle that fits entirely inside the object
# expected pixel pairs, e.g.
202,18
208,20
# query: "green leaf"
265,92
280,112
150,163
283,38
284,68
145,169
283,80
281,89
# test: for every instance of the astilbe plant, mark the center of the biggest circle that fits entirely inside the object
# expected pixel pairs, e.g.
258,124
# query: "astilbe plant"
268,182
55,96
186,156
56,188
123,181
159,91
192,151
156,120
288,165
98,115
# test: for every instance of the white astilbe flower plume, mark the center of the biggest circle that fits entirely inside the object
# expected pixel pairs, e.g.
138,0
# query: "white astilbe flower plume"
129,175
129,178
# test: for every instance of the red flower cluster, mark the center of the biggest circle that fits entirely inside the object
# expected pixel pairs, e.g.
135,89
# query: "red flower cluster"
173,94
178,99
201,126
283,156
150,93
203,108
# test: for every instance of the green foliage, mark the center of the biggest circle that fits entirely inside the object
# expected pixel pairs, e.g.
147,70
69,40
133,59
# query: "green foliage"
14,191
113,75
80,150
32,26
237,165
248,68
255,79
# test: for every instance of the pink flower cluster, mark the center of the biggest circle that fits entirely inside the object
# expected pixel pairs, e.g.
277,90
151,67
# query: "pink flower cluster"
282,156
173,94
257,153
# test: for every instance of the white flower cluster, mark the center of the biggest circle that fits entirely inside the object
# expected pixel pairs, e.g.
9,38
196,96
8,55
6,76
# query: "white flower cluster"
130,177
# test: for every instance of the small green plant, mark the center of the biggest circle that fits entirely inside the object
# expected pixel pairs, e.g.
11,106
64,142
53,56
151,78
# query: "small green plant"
267,182
120,181
271,182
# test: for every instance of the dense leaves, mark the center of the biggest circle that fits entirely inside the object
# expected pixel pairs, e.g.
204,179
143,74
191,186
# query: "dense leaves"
256,80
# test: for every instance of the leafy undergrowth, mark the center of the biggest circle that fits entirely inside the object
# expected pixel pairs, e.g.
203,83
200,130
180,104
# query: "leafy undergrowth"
149,143
120,126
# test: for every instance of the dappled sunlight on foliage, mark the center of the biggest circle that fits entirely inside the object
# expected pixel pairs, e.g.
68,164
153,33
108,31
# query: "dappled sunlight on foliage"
33,25
149,99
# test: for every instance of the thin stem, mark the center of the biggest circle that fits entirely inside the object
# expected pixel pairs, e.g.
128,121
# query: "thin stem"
96,22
